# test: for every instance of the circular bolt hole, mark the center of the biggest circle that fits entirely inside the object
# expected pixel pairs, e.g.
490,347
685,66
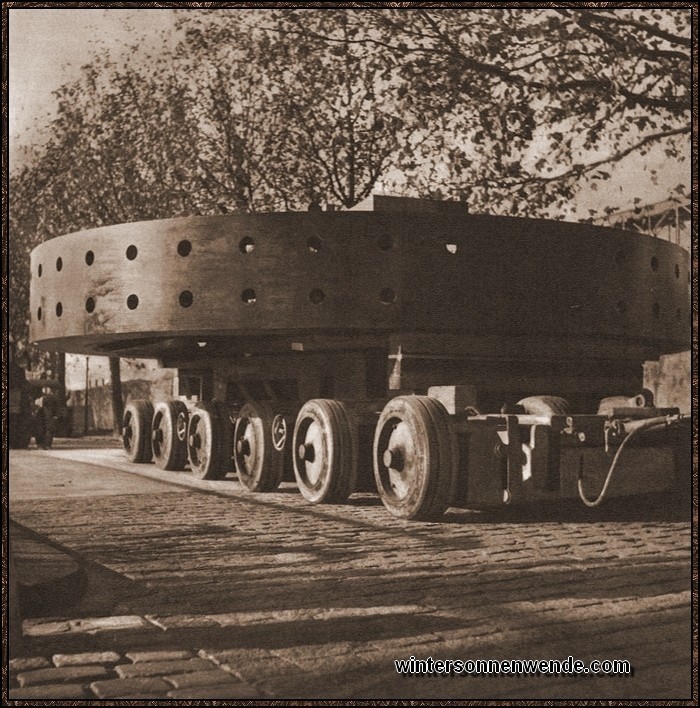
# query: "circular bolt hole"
59,309
132,252
677,271
249,297
132,302
89,258
313,243
247,245
385,242
622,307
387,296
184,248
317,296
90,304
186,298
38,313
654,263
40,270
451,247
656,310
59,264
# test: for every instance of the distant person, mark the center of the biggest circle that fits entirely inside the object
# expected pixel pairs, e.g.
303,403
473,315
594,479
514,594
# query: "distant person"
44,419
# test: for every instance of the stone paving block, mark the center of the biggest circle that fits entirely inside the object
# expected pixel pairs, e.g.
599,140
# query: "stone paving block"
181,621
399,643
333,663
661,683
162,668
62,674
568,618
245,619
373,611
96,657
166,655
53,691
202,678
225,691
641,644
305,614
312,685
316,650
225,657
249,665
128,687
95,625
29,663
646,681
41,628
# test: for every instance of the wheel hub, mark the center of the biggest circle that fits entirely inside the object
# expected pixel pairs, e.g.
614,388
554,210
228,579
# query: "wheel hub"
250,440
311,453
398,459
394,459
307,452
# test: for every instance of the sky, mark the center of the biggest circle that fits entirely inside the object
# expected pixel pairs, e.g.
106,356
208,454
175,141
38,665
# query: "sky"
47,47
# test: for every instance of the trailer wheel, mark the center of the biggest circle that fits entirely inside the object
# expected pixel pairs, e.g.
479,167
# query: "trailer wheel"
167,438
415,457
136,431
257,453
209,442
325,452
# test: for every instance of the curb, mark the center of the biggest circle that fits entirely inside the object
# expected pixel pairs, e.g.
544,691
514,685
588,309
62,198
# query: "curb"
47,578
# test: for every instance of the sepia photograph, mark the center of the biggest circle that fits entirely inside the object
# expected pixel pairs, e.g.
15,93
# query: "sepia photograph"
349,352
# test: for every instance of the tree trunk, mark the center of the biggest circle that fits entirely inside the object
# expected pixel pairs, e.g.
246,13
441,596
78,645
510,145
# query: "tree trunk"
61,411
61,392
117,400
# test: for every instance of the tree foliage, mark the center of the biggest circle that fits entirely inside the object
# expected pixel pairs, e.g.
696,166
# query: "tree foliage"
522,106
512,110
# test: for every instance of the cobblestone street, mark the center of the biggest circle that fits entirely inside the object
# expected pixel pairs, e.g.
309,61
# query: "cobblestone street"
202,590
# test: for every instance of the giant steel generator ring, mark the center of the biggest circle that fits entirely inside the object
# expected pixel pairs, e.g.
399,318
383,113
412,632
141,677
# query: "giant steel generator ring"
146,288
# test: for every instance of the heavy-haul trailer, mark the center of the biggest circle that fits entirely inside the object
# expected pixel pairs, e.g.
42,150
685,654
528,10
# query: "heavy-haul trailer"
407,346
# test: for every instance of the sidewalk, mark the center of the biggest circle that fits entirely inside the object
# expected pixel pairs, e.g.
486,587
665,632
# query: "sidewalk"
82,442
47,577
